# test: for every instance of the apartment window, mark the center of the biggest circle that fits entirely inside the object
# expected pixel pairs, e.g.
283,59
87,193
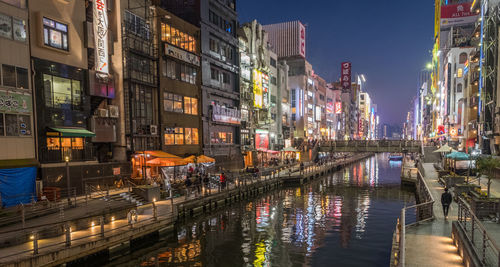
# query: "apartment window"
9,75
191,135
11,125
273,62
459,88
174,136
273,80
179,136
62,92
22,78
178,38
462,58
214,46
180,71
214,18
172,103
214,74
171,69
55,34
226,78
190,105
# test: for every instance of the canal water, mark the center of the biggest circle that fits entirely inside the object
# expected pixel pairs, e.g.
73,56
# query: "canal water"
344,219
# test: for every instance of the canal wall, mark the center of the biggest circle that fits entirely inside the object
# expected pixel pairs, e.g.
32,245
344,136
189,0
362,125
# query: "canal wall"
104,243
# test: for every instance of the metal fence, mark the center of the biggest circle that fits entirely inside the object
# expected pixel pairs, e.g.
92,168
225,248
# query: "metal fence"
483,245
411,216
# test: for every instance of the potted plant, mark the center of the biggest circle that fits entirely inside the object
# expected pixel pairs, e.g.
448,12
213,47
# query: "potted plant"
487,166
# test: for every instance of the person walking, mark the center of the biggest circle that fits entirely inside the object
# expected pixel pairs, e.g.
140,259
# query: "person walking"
446,200
223,180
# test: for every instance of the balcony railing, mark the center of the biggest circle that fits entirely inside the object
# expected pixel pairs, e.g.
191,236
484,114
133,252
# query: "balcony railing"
49,155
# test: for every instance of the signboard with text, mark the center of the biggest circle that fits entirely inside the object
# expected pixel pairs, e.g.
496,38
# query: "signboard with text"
180,54
302,39
457,14
261,140
226,115
101,36
346,75
338,107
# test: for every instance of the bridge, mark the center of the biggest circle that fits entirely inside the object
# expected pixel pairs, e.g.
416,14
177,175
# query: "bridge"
376,146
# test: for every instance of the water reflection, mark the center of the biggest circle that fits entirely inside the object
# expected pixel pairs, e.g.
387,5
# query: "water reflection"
346,218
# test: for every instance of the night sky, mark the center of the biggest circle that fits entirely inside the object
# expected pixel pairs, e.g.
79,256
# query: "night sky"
387,40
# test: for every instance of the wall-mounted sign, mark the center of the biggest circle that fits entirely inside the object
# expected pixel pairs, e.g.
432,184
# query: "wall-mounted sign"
5,26
302,39
261,139
226,115
257,89
101,36
346,75
457,14
338,107
180,54
12,102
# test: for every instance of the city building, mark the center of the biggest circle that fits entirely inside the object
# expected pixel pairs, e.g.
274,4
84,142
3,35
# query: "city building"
76,104
221,115
17,128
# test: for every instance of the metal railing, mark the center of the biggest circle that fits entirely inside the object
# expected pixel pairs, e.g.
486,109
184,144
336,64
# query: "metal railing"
86,153
484,246
411,216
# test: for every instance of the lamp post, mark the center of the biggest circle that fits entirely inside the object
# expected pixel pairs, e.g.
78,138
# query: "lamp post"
67,179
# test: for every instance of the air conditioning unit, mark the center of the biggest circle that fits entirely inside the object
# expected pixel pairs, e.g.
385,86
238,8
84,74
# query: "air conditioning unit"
114,112
103,113
153,129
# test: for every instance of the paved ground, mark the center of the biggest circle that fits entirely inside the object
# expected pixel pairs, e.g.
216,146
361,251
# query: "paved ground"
430,244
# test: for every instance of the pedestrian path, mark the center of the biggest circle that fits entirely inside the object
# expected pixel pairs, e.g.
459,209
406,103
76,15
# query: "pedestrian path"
429,244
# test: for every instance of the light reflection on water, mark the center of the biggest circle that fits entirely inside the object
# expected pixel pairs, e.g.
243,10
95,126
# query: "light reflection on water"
346,219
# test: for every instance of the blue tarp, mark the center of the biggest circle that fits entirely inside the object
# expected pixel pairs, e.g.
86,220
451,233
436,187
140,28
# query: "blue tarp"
17,186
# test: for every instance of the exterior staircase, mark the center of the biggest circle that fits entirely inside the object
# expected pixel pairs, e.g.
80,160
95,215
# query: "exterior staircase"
132,198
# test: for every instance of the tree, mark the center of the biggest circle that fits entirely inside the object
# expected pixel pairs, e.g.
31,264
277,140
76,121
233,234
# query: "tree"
487,166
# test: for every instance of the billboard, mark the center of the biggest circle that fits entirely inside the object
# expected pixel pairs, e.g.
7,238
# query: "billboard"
302,40
457,14
346,75
101,36
257,89
261,140
338,107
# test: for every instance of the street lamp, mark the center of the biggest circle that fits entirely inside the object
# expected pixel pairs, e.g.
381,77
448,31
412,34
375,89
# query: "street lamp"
67,179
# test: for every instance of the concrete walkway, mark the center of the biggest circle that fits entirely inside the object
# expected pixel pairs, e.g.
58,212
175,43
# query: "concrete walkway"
430,244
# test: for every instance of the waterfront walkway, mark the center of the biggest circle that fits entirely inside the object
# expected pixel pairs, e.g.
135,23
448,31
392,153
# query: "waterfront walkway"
430,244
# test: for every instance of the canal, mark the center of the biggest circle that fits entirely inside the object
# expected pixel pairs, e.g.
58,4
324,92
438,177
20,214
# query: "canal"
344,219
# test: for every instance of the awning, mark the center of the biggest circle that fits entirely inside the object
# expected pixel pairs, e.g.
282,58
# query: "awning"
199,159
73,132
158,154
162,158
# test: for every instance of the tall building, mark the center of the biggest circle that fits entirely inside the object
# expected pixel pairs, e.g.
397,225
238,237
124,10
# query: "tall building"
220,75
76,104
17,128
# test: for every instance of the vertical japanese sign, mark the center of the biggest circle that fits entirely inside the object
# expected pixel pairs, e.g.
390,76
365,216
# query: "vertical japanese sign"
101,36
338,107
302,40
346,75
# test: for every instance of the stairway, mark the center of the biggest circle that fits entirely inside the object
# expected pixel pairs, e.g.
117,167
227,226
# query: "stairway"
429,156
129,197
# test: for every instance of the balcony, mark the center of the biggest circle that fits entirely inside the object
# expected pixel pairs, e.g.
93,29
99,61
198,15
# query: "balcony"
51,155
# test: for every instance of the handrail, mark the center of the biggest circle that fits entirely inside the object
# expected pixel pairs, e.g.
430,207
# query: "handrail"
401,224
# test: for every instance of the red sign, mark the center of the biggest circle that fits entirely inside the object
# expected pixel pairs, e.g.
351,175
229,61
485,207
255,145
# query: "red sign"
261,141
346,75
302,39
338,107
457,14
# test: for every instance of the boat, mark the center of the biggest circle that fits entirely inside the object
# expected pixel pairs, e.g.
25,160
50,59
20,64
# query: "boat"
395,157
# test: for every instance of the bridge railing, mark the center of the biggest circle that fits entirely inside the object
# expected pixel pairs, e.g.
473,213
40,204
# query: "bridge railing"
484,246
372,143
411,216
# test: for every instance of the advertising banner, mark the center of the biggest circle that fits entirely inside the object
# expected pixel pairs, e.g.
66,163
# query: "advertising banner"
338,107
5,26
180,54
12,102
457,14
101,36
302,40
261,140
346,75
226,115
257,89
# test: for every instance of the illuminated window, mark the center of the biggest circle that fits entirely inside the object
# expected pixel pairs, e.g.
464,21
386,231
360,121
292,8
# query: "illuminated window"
179,136
190,105
178,38
61,92
460,72
191,135
55,34
174,136
172,102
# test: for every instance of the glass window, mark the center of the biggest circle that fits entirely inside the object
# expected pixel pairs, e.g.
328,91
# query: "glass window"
179,136
53,143
462,58
77,93
22,78
55,34
169,139
214,74
194,136
62,92
11,125
2,127
77,143
24,125
190,105
225,78
164,68
172,103
459,88
178,38
171,69
9,75
188,137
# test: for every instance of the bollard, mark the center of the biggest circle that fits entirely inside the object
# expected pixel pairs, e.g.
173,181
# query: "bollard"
101,222
35,243
67,231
